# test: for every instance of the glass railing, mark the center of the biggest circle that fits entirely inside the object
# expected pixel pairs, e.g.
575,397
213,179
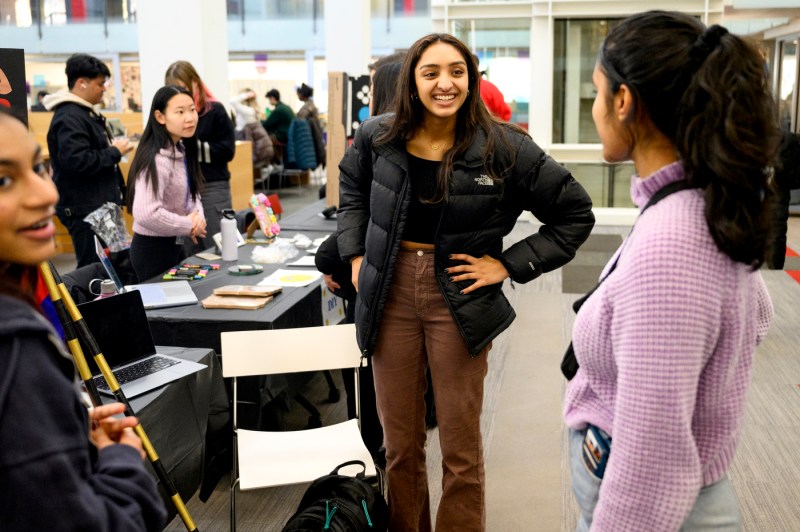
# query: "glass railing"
275,9
607,184
63,12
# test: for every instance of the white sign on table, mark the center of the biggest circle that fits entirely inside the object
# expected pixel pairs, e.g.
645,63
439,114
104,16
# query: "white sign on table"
332,307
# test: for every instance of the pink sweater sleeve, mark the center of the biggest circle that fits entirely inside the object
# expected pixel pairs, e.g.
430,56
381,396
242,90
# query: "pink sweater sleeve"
658,337
152,216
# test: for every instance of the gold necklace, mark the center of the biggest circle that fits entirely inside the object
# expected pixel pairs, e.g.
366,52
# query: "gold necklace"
434,147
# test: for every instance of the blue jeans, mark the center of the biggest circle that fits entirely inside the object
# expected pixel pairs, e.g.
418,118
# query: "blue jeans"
716,507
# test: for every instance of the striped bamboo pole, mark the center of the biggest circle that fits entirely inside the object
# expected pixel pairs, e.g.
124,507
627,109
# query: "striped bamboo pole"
83,330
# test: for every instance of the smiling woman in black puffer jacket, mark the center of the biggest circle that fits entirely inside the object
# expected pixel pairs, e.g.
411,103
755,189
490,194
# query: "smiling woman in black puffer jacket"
427,194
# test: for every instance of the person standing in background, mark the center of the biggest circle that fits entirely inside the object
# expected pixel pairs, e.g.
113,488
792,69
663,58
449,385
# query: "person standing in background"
165,184
493,98
665,343
306,95
216,146
310,113
39,107
83,153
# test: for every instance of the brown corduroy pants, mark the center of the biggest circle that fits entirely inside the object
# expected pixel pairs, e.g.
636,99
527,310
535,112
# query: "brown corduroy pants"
417,330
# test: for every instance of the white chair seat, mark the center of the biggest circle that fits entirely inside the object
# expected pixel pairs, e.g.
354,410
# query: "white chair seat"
281,458
263,459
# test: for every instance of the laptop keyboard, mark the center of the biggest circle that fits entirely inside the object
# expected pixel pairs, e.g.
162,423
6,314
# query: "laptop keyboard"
137,371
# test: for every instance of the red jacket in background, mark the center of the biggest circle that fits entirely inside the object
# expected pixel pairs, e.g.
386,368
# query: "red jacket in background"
494,100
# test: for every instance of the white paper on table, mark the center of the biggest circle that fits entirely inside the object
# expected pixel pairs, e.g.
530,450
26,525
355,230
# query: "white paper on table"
304,262
316,244
291,278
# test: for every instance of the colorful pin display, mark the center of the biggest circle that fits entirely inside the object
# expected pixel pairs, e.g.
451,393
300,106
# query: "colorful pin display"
267,220
190,272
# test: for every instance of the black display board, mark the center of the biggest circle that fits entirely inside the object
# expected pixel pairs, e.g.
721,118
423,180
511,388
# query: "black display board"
12,81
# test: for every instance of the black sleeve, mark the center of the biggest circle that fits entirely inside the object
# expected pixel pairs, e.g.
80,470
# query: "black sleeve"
548,190
355,182
218,144
77,153
327,256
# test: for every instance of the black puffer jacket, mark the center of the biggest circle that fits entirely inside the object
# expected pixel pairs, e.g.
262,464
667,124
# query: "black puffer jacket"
373,201
84,163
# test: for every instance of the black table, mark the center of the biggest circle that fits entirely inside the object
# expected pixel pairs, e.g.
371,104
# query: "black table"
188,423
194,326
308,219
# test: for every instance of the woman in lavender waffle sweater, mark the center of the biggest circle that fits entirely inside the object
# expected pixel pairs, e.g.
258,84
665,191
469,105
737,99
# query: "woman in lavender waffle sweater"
665,344
165,194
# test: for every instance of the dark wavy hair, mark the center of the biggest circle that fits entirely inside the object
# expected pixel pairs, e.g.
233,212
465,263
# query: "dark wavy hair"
471,117
384,87
706,90
154,138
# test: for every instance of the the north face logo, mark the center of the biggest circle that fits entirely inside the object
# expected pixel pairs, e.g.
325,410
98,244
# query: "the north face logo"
484,180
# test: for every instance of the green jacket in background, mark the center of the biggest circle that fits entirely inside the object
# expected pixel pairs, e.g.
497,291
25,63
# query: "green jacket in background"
278,121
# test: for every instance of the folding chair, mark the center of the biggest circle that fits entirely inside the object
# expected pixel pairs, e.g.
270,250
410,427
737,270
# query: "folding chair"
262,459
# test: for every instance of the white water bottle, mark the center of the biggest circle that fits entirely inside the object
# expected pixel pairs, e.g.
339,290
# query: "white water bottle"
107,289
228,229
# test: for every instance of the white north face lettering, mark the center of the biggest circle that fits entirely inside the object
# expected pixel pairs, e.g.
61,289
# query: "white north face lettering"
484,180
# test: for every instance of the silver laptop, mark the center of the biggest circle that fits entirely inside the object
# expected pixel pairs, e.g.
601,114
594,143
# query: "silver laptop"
119,325
154,295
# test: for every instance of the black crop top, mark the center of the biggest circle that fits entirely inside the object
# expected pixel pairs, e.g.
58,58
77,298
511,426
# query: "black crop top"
423,218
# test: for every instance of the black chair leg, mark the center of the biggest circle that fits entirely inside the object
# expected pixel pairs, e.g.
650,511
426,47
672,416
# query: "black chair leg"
333,391
315,419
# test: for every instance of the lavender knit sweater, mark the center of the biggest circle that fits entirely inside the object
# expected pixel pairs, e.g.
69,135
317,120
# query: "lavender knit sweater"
665,347
165,214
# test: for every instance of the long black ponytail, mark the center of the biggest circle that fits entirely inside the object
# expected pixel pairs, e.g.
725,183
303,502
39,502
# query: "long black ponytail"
706,90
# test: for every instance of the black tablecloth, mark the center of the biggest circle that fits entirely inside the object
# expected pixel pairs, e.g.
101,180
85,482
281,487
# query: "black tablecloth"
194,326
188,423
308,219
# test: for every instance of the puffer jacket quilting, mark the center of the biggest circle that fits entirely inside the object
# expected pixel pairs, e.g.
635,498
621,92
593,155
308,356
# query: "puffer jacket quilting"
478,214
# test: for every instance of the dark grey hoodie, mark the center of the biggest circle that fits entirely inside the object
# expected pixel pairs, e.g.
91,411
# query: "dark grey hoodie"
51,477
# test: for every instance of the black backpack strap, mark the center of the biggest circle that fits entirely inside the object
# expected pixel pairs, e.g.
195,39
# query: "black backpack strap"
569,364
351,462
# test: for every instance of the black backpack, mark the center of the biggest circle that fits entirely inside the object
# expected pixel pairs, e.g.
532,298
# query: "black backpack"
340,504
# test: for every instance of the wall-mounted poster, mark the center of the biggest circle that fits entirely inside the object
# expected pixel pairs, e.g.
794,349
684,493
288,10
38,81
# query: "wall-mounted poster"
12,81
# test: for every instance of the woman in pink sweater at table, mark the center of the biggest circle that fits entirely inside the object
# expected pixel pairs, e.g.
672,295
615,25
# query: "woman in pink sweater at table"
665,343
165,194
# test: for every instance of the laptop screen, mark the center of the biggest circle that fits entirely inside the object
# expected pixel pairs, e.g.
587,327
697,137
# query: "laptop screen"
119,325
106,262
